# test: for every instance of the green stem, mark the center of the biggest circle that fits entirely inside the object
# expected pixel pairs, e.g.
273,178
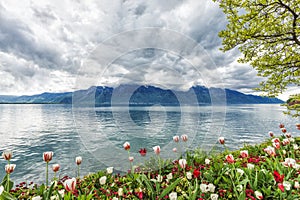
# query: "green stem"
159,164
7,189
47,174
78,170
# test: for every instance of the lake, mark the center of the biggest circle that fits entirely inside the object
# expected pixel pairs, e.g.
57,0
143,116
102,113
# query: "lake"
97,134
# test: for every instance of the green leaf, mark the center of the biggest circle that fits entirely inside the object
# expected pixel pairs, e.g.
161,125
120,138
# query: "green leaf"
169,188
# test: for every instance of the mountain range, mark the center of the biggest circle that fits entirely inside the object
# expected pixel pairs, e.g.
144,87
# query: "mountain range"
142,95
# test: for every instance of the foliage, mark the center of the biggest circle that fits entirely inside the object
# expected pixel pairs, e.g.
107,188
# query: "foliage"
267,32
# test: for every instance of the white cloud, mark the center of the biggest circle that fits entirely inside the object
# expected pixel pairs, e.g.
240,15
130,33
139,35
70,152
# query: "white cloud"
43,43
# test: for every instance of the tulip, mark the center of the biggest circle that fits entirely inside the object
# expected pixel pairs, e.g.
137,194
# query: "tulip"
298,126
296,185
184,137
250,166
174,150
275,140
244,154
47,156
182,163
270,150
169,176
189,175
9,168
55,167
143,152
281,187
102,180
126,146
156,150
285,141
271,134
229,158
214,196
287,185
78,161
173,196
159,178
37,198
281,125
289,162
207,161
70,184
276,145
288,135
7,155
120,192
1,189
176,138
130,159
258,195
221,140
283,130
110,170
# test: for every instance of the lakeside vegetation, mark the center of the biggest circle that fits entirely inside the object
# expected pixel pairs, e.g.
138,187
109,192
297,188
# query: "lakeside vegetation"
270,170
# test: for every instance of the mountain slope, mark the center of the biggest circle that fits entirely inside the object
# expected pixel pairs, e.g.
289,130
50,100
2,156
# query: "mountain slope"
142,95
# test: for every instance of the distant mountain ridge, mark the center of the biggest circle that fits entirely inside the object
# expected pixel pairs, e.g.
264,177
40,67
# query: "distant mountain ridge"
142,95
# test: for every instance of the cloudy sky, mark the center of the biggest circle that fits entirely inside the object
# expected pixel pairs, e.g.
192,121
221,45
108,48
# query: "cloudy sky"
55,46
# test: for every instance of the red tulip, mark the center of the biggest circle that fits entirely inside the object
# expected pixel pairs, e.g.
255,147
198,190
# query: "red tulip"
221,140
176,138
143,152
126,146
78,160
288,135
70,185
281,125
7,155
276,140
55,167
47,156
196,173
156,150
278,178
9,168
285,141
229,158
283,130
276,145
281,187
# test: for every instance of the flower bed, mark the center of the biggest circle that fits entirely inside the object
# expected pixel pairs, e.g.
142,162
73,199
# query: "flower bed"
265,171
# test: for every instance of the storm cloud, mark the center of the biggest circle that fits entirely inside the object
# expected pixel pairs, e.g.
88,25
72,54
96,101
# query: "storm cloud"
45,44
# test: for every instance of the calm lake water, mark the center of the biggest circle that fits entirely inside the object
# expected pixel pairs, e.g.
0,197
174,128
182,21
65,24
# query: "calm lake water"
97,134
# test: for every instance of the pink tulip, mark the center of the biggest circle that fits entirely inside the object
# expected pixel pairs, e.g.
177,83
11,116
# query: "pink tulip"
7,155
229,158
244,154
288,135
126,146
9,168
55,167
176,138
131,159
270,150
276,145
174,150
47,156
78,160
221,140
285,141
182,163
156,150
70,185
184,137
271,134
